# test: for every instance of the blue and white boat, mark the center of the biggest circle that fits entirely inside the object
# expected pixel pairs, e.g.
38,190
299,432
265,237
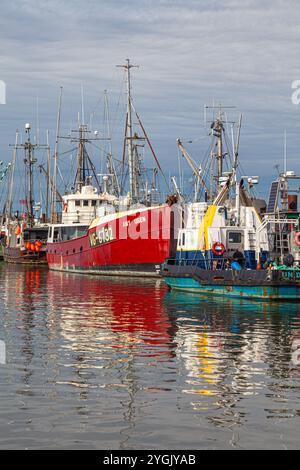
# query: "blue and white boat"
227,248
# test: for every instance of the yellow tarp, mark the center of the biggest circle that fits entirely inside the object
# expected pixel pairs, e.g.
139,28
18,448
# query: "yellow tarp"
203,241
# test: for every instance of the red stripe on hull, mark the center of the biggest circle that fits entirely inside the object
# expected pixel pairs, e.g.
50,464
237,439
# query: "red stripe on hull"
139,242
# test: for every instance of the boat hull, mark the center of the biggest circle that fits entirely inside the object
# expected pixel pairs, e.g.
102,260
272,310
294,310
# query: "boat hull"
246,284
134,244
17,256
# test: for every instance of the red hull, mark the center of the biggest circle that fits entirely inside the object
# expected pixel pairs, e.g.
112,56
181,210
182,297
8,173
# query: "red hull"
131,243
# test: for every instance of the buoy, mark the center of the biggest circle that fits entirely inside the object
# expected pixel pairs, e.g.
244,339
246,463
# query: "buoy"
28,246
218,248
37,248
18,230
32,246
38,243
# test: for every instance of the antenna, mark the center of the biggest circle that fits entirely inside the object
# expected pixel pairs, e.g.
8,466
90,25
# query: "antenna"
284,154
37,121
82,106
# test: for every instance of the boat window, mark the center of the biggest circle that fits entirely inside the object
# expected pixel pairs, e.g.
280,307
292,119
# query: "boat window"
41,234
183,239
77,203
85,203
55,236
81,231
235,237
94,202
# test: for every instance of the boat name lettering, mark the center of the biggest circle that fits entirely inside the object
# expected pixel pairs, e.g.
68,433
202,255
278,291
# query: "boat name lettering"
140,220
293,275
101,236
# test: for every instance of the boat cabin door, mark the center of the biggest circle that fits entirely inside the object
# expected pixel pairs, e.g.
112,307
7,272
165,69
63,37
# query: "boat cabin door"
235,240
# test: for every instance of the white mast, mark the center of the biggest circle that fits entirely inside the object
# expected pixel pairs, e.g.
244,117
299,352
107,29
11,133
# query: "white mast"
11,180
285,154
48,185
111,166
54,188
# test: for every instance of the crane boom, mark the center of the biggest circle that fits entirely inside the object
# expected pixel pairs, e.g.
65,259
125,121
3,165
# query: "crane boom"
193,166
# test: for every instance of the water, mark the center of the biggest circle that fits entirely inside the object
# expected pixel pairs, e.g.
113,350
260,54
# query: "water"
95,363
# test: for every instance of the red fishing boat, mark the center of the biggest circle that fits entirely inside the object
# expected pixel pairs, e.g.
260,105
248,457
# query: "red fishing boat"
132,242
103,231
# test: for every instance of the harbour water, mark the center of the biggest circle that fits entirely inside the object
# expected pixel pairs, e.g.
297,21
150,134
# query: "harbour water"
104,363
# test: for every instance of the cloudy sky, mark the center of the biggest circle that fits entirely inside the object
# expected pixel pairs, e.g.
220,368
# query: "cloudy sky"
190,53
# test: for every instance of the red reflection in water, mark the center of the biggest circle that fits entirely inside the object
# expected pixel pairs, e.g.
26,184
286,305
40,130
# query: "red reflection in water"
124,306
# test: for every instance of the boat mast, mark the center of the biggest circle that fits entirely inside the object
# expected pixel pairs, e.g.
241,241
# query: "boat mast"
11,180
54,190
29,161
110,163
218,129
48,176
129,134
80,175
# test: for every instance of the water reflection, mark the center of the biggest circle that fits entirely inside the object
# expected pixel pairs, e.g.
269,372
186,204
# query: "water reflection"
233,350
110,363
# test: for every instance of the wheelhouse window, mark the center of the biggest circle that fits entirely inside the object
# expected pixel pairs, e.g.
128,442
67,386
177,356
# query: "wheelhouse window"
77,203
85,203
94,202
235,237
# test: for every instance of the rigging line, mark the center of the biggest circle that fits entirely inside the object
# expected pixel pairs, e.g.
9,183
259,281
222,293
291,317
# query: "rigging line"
207,163
123,152
61,176
114,121
98,147
228,148
179,169
67,152
114,158
151,148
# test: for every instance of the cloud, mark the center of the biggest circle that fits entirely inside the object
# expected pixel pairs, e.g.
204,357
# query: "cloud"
190,53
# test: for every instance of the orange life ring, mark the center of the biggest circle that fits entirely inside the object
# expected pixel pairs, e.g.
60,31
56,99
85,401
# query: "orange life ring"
218,249
297,238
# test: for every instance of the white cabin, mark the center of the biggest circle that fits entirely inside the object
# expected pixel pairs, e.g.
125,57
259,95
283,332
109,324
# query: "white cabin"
85,205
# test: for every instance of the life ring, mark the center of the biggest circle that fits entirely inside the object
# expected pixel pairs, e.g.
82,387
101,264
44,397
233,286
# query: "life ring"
297,238
218,249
